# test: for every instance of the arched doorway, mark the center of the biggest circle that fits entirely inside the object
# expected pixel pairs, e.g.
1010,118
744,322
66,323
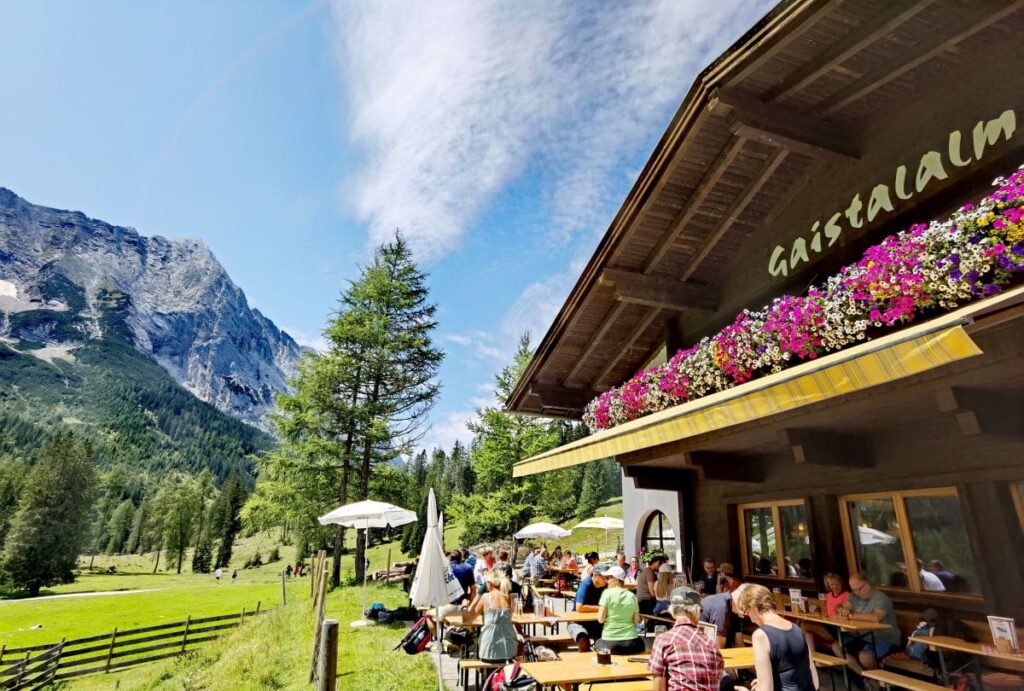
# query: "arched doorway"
658,533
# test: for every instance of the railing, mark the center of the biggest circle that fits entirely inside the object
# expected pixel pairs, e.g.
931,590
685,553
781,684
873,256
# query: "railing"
112,651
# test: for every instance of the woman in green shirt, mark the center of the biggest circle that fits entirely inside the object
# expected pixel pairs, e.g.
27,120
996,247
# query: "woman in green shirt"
618,613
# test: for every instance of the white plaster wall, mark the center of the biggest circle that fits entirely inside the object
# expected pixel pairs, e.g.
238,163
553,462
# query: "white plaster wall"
638,504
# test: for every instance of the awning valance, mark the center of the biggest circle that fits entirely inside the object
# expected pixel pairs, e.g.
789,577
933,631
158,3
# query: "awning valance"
907,352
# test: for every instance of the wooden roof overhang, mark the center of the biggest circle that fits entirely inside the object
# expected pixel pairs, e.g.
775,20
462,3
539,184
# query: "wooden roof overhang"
791,96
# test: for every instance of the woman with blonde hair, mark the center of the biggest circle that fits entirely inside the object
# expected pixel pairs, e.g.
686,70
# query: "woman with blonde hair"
498,639
782,660
663,587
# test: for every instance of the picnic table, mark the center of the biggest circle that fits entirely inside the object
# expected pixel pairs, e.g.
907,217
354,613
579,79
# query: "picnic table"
841,625
573,669
943,644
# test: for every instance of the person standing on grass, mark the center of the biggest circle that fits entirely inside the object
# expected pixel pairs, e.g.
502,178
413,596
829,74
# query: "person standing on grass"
234,575
216,574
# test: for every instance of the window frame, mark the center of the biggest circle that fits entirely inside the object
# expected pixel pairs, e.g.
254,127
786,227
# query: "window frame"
780,549
898,498
1017,492
662,519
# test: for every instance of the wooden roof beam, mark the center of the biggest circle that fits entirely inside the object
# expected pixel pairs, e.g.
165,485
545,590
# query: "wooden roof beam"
814,447
561,397
626,347
974,17
781,127
711,177
663,293
846,47
762,176
595,341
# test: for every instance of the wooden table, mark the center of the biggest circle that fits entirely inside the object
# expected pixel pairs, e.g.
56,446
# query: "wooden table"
959,645
577,617
841,625
574,669
738,658
477,621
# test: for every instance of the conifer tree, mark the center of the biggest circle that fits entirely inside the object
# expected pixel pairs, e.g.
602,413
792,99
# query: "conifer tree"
226,520
50,527
120,526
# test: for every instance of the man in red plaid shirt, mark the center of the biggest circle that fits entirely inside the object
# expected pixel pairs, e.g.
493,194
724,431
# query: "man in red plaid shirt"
683,658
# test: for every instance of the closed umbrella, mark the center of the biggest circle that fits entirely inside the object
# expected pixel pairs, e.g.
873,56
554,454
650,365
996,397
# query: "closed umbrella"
873,536
542,530
434,584
364,515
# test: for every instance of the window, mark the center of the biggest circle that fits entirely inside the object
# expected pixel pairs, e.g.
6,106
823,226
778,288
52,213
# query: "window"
658,533
775,540
911,540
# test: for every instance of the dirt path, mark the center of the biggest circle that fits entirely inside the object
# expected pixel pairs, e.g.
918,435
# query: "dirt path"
95,594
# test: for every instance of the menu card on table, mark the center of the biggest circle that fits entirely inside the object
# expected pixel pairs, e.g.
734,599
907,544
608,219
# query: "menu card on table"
1004,634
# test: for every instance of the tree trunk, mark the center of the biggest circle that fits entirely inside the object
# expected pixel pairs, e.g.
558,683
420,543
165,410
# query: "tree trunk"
346,465
156,564
364,480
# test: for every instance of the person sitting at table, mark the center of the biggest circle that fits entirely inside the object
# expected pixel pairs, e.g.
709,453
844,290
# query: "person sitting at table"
947,577
588,598
663,588
527,562
499,641
483,566
929,581
706,582
592,560
727,581
539,565
463,573
683,658
618,614
569,562
816,634
556,559
620,561
633,570
645,581
868,604
782,659
720,609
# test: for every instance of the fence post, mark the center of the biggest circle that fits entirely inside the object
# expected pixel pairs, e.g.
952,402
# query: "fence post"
3,649
328,673
284,596
21,672
241,620
184,636
110,651
56,660
258,603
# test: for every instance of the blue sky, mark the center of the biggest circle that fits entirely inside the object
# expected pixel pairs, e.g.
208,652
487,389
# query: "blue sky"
294,136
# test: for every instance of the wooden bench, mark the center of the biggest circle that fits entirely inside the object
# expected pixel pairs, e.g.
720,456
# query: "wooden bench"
639,685
478,668
890,679
553,640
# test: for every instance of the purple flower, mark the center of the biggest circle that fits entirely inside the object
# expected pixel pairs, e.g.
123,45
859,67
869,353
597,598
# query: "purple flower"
955,274
972,276
991,289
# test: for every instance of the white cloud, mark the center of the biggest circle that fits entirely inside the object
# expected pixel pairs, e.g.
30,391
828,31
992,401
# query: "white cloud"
482,346
316,341
449,102
451,427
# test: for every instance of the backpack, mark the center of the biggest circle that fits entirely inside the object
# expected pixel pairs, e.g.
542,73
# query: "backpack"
510,678
417,638
405,614
918,650
374,610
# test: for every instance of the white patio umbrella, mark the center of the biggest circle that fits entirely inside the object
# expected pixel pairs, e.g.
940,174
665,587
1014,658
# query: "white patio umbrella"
364,515
542,530
605,523
434,584
873,536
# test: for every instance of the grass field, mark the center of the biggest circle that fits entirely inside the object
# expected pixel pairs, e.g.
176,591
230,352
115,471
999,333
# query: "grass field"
274,652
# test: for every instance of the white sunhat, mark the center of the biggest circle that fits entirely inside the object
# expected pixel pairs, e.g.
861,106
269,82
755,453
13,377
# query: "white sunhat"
616,572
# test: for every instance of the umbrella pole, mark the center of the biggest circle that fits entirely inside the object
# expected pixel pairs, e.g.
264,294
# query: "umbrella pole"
440,646
366,542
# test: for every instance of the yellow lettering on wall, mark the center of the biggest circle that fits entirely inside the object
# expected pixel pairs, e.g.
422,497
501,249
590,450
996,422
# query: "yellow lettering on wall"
954,150
901,183
777,266
798,253
832,229
853,212
930,168
878,201
988,132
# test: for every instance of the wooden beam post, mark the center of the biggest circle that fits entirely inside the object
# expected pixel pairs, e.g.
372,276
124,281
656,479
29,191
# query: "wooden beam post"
328,672
284,591
110,651
816,447
184,635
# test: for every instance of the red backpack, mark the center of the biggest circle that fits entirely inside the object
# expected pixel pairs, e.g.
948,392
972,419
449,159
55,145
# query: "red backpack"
417,639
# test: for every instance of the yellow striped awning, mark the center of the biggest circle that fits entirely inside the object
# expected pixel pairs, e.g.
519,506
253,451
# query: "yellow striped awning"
907,352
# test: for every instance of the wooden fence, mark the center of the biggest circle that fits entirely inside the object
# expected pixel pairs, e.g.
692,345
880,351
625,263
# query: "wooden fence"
36,666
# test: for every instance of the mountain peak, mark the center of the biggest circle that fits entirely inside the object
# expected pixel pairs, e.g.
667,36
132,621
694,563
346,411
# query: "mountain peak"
184,311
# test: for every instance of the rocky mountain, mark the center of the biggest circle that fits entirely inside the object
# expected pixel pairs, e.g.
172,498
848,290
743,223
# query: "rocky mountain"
61,273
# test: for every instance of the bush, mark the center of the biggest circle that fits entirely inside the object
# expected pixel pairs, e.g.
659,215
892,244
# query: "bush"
274,555
255,562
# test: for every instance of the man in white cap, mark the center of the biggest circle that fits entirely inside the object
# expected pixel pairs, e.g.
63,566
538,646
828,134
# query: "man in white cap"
619,615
